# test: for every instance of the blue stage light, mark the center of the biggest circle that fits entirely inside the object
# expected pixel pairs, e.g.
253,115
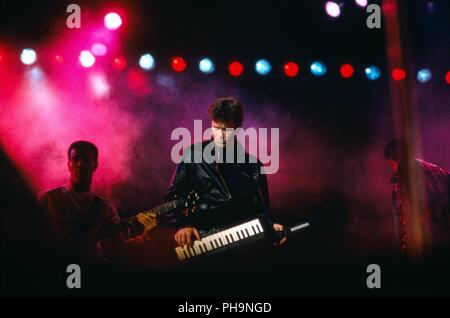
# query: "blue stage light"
147,62
318,68
206,66
424,75
372,72
263,67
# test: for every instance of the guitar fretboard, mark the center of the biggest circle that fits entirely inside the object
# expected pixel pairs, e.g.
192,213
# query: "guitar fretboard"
164,208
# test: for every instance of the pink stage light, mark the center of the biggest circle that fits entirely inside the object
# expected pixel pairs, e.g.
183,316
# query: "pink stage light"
99,49
87,59
332,9
113,21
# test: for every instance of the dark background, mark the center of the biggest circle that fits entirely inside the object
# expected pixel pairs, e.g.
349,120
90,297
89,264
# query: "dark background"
351,118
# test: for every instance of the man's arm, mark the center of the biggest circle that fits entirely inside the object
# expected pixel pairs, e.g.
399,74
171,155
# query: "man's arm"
149,222
263,188
181,185
111,217
264,191
180,182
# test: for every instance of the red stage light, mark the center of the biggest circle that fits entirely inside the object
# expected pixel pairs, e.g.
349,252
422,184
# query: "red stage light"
291,69
347,70
119,63
138,82
447,77
178,64
398,74
236,68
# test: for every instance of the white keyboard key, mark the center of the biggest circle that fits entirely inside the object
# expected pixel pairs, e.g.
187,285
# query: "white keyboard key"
242,231
228,236
234,234
258,224
208,245
250,230
222,238
216,240
197,248
180,254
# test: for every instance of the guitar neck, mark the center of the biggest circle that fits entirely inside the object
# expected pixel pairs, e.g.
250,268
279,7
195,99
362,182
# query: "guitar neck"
132,222
159,210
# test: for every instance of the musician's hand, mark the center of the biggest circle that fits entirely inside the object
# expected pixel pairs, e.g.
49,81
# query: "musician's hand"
148,220
279,227
184,236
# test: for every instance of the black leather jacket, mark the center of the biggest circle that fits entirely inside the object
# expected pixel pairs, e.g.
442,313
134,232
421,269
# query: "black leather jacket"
250,199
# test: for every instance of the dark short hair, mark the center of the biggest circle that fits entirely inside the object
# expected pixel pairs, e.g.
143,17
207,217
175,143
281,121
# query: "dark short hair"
83,144
226,110
395,149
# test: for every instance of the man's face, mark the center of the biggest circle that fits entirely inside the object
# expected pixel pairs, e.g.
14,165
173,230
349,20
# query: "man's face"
82,165
392,164
220,134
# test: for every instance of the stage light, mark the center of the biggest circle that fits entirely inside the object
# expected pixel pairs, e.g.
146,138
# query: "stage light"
372,72
332,9
178,64
398,74
36,74
291,69
263,67
236,68
318,68
147,62
347,71
28,56
112,21
99,49
99,85
206,66
424,75
361,3
87,59
447,77
119,63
